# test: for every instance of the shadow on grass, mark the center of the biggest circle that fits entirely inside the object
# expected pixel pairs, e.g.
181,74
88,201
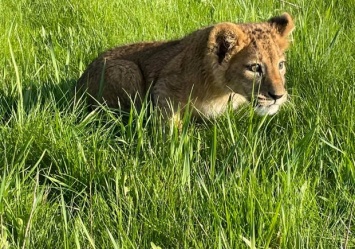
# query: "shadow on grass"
36,95
37,142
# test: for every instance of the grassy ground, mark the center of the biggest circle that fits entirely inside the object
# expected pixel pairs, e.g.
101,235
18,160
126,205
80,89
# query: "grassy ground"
73,179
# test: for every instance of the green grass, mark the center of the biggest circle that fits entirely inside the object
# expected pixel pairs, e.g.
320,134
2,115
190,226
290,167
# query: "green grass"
74,179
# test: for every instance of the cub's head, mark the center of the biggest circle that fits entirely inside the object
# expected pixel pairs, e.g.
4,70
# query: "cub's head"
249,59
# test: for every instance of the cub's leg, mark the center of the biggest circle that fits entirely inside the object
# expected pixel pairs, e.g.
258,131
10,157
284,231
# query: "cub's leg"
170,100
118,83
166,97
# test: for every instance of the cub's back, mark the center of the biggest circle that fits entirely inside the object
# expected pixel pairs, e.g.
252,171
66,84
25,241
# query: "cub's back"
150,57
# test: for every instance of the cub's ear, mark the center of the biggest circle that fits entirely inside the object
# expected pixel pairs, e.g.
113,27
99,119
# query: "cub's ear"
225,39
283,24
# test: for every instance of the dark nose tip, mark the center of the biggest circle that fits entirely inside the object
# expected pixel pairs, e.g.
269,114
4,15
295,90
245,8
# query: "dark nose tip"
274,96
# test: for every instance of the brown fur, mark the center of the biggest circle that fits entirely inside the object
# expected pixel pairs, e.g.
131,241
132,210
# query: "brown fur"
212,67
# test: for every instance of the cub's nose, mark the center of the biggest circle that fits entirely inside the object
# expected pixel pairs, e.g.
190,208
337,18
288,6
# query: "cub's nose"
274,96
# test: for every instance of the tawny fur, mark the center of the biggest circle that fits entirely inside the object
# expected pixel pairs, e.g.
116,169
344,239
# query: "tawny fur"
210,68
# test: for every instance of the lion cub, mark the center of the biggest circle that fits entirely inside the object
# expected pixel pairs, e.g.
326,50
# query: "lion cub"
211,68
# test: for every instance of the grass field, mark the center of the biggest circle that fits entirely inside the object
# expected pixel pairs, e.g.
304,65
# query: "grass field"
74,179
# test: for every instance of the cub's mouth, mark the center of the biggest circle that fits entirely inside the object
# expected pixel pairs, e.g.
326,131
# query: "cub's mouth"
268,106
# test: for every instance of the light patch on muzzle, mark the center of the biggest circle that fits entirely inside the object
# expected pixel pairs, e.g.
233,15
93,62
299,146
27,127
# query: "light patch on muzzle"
264,107
267,110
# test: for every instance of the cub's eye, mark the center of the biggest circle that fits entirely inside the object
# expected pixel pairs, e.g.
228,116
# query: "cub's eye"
281,65
256,68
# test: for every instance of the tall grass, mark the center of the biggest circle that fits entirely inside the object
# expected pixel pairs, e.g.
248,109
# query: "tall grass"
70,178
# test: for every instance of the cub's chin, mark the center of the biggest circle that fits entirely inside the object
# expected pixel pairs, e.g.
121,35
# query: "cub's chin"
267,110
267,106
